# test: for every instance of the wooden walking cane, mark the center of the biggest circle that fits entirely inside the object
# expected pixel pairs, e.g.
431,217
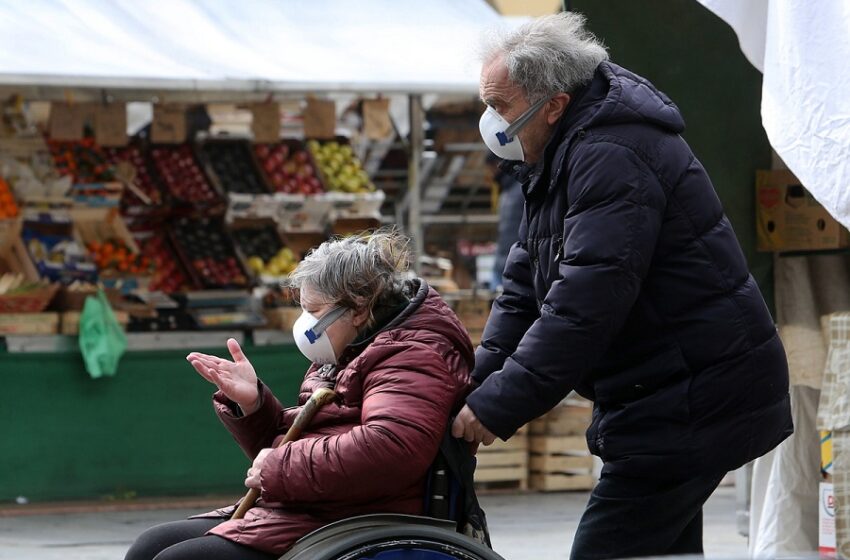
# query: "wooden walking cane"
318,399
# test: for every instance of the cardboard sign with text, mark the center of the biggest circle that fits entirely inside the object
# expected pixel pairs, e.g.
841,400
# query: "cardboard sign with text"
788,218
376,119
66,121
320,119
169,124
110,124
265,123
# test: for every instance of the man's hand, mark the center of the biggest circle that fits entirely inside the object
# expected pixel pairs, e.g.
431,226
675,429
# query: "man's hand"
467,426
252,479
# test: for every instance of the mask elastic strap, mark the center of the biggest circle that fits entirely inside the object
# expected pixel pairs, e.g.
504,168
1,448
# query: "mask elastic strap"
524,118
325,322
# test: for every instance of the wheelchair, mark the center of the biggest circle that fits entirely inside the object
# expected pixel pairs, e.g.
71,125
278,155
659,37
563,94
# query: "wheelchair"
454,528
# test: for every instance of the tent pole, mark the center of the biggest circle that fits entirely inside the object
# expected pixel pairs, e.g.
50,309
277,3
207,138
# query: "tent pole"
414,219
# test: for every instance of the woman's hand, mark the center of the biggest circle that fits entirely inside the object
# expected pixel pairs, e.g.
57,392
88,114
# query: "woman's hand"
252,479
236,379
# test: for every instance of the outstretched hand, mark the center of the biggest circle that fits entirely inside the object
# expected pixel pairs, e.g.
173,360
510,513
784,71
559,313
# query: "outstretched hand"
236,379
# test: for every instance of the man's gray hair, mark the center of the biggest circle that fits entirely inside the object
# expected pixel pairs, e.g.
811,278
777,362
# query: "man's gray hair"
547,55
358,272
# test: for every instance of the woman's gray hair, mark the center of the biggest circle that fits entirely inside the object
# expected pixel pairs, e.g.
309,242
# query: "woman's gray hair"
358,272
547,55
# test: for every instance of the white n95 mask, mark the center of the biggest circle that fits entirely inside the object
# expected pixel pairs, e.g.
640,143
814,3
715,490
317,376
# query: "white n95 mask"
501,136
311,338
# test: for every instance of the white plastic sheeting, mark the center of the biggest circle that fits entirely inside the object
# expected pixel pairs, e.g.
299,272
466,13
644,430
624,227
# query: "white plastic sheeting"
409,46
802,47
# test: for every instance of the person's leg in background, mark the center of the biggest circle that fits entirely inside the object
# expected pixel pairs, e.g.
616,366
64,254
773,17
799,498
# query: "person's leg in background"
187,540
632,517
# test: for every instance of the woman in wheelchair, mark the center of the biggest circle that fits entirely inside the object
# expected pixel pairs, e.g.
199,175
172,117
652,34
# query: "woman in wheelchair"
398,360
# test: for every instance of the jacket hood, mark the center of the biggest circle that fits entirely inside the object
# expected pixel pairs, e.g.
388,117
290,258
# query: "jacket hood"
428,312
617,96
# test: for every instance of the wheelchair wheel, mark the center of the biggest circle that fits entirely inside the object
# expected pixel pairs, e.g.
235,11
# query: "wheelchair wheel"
400,540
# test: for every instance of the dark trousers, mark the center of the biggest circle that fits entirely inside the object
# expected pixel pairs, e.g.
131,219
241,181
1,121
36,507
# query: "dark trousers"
633,517
186,540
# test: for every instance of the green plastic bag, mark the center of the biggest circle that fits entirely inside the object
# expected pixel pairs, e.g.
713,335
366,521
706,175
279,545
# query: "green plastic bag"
102,340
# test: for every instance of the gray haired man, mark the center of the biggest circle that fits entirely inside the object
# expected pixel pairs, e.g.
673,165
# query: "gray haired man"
627,285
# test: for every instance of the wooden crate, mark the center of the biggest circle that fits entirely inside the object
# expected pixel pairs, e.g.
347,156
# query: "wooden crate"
503,462
559,457
563,420
29,323
70,321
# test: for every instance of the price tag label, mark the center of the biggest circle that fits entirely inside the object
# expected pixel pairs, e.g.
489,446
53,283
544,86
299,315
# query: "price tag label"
169,124
265,124
376,119
320,119
110,124
66,121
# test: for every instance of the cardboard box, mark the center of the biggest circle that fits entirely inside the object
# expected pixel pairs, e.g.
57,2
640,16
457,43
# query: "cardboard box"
13,253
788,218
826,520
29,323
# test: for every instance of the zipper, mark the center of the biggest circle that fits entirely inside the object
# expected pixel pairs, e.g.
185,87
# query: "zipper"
559,241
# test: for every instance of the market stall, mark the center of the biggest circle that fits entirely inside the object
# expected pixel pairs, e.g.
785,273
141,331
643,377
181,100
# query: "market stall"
189,226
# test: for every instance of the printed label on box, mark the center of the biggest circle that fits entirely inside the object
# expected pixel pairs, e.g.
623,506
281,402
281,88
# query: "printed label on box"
826,521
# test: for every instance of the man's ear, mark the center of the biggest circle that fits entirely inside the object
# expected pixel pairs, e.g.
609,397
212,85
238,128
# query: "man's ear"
556,107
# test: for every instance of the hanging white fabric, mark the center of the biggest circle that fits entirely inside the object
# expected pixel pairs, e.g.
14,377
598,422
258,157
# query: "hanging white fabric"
802,48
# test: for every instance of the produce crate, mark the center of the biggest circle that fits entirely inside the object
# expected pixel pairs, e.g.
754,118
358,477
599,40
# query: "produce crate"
504,463
133,166
100,225
170,274
24,297
560,463
55,249
230,163
29,323
208,253
289,167
184,179
73,297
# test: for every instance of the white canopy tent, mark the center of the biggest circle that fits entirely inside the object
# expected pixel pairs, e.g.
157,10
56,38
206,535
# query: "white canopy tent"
388,46
244,50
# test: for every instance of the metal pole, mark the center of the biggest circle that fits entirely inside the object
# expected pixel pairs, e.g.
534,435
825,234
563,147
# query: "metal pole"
414,219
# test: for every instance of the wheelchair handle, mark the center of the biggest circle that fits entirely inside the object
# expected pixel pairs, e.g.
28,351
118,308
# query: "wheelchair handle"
318,399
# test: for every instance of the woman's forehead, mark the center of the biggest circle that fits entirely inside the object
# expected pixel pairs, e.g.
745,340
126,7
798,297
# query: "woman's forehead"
312,297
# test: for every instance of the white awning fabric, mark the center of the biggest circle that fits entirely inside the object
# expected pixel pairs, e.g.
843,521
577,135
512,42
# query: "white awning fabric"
802,48
393,46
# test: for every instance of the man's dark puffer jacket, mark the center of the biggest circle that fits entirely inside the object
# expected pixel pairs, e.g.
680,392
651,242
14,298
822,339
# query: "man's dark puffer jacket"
629,286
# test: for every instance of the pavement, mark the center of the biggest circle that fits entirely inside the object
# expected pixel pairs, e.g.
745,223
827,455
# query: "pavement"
524,526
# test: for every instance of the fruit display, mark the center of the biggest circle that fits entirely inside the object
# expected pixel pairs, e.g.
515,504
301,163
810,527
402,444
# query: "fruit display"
208,252
113,256
340,168
8,206
232,163
83,160
281,263
138,171
264,250
289,168
182,175
169,276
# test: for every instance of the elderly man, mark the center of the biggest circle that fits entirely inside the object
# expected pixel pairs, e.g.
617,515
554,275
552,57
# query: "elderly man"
627,286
